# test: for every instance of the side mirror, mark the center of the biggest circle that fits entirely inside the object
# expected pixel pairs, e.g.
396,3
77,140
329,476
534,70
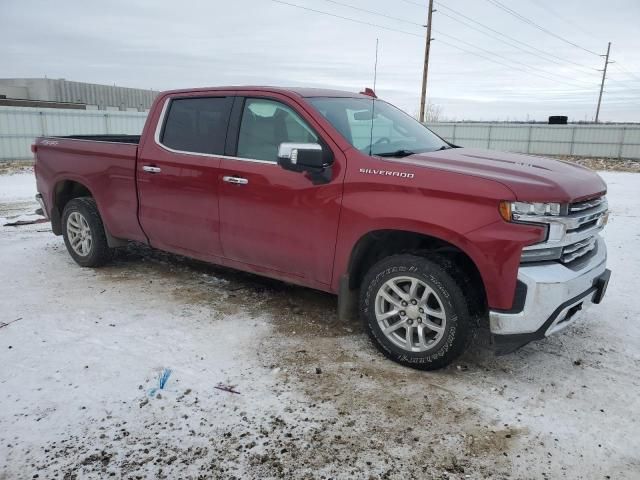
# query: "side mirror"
305,157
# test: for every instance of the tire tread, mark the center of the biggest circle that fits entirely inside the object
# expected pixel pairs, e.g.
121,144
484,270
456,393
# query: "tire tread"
455,283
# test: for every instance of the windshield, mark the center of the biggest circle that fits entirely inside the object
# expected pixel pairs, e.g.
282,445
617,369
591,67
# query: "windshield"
392,132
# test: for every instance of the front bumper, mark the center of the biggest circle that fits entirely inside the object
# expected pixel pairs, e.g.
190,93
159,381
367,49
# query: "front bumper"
552,294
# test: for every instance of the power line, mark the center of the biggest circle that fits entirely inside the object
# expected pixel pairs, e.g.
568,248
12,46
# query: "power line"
510,60
503,7
624,84
335,2
507,65
554,13
621,68
562,60
362,22
375,13
497,38
415,3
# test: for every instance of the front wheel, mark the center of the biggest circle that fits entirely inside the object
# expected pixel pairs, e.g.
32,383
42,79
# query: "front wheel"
84,234
415,311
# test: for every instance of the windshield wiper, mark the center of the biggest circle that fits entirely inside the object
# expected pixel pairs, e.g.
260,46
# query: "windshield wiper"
397,153
445,147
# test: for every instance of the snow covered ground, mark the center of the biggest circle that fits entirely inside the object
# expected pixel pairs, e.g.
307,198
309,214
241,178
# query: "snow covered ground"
16,194
82,349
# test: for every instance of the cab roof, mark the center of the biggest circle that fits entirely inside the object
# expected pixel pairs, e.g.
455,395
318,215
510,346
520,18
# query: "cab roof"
297,91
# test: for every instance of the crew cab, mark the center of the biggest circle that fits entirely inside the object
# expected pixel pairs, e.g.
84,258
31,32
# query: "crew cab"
344,193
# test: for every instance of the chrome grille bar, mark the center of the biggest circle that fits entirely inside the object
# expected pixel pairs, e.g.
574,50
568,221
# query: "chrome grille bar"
573,234
577,250
580,206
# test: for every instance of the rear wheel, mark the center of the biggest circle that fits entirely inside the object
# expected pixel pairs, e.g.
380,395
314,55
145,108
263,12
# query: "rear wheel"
415,311
84,234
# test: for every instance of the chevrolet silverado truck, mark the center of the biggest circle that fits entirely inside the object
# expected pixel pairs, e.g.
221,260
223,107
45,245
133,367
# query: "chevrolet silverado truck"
344,193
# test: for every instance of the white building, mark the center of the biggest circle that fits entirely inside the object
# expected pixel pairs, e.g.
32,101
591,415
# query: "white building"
61,93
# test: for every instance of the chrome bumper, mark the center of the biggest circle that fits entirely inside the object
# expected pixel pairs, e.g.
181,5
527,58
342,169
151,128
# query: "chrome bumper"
555,293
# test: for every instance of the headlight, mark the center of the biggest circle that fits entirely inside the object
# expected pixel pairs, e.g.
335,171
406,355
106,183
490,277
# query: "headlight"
527,211
544,214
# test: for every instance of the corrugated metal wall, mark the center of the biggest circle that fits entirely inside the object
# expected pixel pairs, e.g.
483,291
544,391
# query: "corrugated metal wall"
102,95
20,125
607,141
67,91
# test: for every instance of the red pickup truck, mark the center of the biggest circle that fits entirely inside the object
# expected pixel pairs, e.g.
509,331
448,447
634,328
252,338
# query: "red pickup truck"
343,193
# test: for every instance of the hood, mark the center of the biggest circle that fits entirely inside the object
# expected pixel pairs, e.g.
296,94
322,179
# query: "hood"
530,178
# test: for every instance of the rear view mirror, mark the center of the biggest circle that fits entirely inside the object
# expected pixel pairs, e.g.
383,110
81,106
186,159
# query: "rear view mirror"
305,157
364,115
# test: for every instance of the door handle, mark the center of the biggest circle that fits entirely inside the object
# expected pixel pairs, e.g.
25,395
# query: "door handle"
151,169
235,180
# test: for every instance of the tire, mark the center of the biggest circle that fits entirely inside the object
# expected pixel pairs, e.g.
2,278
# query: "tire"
83,233
441,310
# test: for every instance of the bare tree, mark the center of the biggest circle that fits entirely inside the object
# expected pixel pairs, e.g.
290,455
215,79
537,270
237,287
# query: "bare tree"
432,112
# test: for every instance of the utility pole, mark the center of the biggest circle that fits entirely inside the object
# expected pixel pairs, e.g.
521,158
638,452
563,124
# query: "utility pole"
604,74
425,70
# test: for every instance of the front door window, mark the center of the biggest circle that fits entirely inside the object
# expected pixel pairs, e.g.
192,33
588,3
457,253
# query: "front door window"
265,125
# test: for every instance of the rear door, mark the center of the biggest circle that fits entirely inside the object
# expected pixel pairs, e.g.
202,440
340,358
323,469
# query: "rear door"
272,218
177,175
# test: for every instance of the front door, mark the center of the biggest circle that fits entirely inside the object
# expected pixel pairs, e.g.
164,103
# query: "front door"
178,176
271,218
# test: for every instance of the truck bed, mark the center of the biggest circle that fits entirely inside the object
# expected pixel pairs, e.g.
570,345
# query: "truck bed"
103,164
135,139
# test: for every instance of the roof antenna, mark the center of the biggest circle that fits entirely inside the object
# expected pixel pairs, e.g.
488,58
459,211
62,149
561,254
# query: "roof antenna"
373,98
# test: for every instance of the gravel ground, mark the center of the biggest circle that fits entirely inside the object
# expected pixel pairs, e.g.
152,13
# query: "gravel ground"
82,349
11,167
605,164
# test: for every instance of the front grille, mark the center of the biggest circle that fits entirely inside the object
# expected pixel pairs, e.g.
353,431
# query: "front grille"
572,235
587,217
578,249
586,205
584,226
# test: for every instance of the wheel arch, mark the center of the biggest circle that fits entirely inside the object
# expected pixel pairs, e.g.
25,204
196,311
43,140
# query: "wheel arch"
375,245
63,192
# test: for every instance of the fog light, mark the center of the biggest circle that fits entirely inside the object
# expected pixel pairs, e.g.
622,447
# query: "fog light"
541,254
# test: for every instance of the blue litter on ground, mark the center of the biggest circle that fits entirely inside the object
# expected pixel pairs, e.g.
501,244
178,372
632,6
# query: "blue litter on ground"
163,378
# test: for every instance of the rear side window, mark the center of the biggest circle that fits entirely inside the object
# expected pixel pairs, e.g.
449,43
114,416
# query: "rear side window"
197,125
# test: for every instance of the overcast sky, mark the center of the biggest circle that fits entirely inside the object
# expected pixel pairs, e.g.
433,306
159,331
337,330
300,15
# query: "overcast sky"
173,44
